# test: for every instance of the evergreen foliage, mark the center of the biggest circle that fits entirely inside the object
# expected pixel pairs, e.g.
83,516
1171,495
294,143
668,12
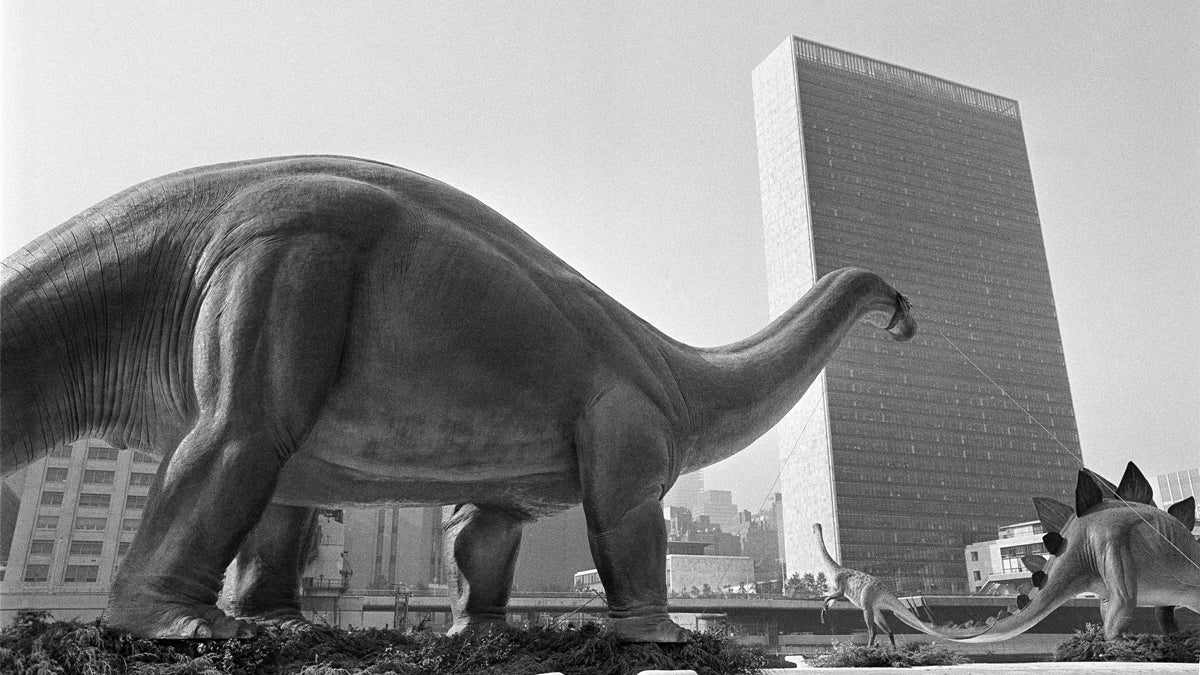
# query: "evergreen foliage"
912,654
1089,645
807,586
35,644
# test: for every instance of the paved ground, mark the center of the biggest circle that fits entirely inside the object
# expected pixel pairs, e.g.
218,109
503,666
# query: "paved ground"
1014,669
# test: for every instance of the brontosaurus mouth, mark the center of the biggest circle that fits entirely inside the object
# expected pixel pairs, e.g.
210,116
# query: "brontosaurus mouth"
902,326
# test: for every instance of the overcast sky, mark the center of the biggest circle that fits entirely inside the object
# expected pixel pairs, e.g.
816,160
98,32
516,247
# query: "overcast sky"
621,135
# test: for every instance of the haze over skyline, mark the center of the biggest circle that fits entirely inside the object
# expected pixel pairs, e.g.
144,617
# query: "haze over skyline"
622,137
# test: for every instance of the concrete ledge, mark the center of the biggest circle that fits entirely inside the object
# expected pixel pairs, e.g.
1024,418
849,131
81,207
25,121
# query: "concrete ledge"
1119,668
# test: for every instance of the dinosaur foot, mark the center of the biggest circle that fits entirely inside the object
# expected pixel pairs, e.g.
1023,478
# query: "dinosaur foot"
657,629
288,618
176,621
474,626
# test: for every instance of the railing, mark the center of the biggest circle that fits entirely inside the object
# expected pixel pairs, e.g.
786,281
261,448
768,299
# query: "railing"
912,79
310,583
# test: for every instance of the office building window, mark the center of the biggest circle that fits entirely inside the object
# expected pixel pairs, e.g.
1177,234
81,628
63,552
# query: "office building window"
61,451
41,547
56,474
105,454
46,523
144,457
93,500
51,499
135,501
123,547
974,556
81,573
87,547
37,572
130,524
98,477
137,478
976,575
91,524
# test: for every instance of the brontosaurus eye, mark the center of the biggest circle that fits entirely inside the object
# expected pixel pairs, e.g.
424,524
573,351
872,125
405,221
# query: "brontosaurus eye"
1022,601
1039,579
1053,542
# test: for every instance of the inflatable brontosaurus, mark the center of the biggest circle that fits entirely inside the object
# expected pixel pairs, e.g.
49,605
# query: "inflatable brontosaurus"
308,332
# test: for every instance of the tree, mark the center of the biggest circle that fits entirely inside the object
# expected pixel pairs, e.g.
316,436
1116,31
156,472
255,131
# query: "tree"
807,586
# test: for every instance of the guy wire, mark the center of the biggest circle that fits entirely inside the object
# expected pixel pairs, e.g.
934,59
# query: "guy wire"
1054,438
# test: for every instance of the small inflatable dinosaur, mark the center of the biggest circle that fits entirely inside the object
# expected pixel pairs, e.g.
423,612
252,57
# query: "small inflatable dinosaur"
1124,549
305,332
872,596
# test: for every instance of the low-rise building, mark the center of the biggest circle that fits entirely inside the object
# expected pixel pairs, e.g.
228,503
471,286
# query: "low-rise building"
693,575
995,568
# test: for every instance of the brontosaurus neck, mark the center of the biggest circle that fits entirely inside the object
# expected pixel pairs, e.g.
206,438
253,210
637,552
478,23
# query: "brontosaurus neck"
736,393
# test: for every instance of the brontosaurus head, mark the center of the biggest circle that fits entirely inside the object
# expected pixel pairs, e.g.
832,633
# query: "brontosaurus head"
902,327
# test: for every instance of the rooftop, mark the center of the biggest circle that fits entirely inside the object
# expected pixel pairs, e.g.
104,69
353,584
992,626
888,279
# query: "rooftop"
904,77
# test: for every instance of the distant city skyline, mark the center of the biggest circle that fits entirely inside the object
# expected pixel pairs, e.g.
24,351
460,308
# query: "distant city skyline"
621,135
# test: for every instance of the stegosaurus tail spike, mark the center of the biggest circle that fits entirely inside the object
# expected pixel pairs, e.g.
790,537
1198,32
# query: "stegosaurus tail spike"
1185,512
1087,493
1053,514
1134,487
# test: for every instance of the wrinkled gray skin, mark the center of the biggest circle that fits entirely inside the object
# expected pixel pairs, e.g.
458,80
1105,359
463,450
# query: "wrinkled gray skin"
1124,550
872,596
312,332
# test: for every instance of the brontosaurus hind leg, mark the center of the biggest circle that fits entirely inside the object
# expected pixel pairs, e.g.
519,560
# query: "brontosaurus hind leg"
1166,619
263,584
265,351
483,541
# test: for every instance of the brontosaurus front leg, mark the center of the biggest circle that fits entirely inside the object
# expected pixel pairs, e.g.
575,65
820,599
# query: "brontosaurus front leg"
265,351
624,463
263,584
483,541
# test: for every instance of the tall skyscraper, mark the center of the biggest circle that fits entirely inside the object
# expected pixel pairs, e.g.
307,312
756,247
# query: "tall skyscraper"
904,451
686,491
80,508
394,546
553,549
719,507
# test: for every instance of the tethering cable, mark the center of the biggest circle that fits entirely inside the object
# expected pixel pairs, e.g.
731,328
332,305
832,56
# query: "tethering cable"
1054,438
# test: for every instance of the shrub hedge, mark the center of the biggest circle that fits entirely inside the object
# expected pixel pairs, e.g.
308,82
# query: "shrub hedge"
35,644
848,655
1089,645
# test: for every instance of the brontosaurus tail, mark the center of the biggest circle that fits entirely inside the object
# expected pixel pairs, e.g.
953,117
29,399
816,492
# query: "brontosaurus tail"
38,319
58,294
